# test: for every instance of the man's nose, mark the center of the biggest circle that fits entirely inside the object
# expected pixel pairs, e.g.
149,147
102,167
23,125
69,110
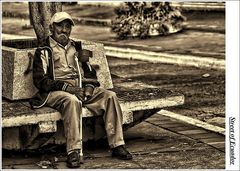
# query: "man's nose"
64,29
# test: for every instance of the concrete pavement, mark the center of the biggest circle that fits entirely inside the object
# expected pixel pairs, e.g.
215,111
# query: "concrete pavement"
157,143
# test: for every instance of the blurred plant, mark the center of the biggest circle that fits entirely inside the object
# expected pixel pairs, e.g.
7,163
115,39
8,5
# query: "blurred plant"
144,19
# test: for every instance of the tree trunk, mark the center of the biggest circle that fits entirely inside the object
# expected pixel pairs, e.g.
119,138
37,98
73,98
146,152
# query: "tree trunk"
40,15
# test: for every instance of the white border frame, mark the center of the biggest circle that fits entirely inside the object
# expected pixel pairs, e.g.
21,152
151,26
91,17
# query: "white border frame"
232,84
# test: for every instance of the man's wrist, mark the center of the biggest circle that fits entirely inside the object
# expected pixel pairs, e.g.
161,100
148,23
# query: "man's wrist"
90,85
70,89
88,90
65,86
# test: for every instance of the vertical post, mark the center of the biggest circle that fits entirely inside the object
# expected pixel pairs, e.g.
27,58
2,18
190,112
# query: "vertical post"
80,117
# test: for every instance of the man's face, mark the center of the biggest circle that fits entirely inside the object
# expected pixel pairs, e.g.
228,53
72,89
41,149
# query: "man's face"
61,32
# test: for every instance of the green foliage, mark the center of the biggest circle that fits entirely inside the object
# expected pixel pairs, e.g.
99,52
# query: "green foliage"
144,19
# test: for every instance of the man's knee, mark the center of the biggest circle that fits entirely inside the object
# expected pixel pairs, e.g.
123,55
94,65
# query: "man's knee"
71,100
110,94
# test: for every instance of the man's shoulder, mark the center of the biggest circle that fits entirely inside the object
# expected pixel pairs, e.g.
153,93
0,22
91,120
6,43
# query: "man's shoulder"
76,44
45,45
43,50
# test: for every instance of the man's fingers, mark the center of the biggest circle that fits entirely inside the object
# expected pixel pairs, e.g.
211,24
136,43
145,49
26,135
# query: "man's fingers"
88,91
80,96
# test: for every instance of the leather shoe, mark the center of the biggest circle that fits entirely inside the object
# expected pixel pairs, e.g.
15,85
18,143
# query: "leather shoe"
121,152
73,159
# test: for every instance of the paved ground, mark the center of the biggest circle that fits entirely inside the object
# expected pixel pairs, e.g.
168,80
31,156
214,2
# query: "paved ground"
204,89
157,143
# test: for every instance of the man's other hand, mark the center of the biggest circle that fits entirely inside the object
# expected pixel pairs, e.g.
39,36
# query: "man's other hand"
88,91
77,91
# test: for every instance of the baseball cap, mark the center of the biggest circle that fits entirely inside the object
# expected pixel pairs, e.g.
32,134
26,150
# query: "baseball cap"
60,16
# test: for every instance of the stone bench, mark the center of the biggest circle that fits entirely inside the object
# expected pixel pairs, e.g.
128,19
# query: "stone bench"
18,113
137,104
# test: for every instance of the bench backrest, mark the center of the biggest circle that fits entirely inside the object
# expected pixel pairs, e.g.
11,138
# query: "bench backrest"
17,57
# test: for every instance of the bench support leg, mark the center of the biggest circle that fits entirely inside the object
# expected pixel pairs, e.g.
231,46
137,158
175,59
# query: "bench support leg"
81,138
47,126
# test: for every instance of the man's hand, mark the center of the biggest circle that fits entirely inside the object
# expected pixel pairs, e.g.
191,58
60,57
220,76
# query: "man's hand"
77,91
88,91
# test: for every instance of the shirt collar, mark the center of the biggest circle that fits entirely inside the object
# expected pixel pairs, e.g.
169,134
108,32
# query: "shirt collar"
53,43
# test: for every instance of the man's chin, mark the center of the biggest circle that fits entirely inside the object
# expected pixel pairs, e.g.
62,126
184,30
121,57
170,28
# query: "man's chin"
64,42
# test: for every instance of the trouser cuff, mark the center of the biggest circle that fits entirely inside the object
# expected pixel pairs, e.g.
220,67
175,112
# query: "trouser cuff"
116,144
73,148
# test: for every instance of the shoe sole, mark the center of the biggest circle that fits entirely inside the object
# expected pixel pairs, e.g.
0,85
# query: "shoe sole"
73,165
122,158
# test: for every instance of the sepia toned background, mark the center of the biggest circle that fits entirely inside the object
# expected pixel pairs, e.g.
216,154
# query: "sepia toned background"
189,136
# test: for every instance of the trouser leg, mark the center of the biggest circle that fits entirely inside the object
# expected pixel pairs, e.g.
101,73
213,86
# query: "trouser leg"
105,102
70,108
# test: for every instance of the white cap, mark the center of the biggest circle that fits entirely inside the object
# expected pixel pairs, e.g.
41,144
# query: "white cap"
60,16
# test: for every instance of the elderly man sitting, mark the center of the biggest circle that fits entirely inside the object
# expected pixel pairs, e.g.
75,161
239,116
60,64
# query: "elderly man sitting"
55,74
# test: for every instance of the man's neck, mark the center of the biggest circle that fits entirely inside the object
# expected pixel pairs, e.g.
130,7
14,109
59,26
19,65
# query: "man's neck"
54,43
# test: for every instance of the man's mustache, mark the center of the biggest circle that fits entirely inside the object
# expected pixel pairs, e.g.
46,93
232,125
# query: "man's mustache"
63,35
